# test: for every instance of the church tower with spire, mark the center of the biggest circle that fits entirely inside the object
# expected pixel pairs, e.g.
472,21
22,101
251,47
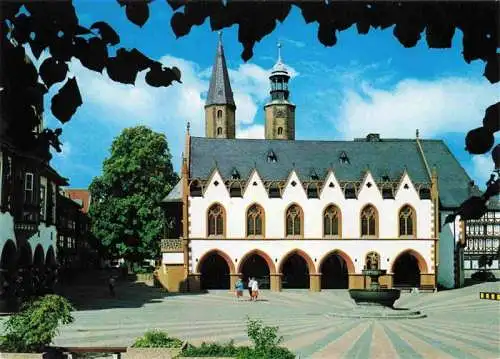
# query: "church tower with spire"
279,111
220,107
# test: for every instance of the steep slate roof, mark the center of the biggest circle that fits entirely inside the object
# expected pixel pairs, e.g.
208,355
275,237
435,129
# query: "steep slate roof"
385,157
175,195
219,92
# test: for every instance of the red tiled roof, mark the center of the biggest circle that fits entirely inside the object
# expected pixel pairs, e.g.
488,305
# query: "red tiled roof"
79,194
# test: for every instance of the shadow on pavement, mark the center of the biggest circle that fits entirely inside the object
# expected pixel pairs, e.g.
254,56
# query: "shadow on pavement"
90,291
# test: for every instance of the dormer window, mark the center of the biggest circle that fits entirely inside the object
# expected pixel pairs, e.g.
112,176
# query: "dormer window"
235,190
195,189
387,192
235,174
312,191
274,191
350,191
271,157
425,193
343,159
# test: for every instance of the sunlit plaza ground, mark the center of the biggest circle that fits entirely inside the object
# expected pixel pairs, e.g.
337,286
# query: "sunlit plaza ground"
458,323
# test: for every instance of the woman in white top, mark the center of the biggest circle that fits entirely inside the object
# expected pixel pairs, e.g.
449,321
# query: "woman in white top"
255,290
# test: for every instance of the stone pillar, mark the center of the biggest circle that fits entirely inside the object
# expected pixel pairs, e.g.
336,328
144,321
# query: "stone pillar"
356,281
233,278
315,282
386,280
428,280
275,282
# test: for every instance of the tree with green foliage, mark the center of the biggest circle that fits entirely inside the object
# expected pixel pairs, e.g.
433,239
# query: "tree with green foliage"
125,211
35,326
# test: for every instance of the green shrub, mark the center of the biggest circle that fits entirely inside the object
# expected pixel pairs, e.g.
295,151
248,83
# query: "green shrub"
265,339
211,350
266,342
157,339
270,353
35,325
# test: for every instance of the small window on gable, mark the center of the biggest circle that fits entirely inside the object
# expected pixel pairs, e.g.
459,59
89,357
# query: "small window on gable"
425,193
219,131
312,191
274,191
387,192
235,190
406,186
219,114
350,191
343,159
280,130
271,157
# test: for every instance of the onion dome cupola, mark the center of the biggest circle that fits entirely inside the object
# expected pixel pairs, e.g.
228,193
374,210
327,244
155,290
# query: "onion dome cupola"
279,111
220,107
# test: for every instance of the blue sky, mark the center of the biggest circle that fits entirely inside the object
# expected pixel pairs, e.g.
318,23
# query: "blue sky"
365,83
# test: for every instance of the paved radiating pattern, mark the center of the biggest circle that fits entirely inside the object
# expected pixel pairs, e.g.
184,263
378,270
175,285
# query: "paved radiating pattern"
459,324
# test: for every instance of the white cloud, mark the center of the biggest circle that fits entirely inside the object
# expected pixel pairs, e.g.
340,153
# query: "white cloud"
295,43
481,168
254,131
166,110
434,107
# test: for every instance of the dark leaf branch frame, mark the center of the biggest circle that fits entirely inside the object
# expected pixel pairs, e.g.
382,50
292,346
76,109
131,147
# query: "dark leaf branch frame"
478,22
54,26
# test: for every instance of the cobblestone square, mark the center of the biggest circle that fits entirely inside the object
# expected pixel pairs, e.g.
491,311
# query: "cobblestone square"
458,323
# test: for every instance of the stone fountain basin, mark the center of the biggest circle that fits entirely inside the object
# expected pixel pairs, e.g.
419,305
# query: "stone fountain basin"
384,297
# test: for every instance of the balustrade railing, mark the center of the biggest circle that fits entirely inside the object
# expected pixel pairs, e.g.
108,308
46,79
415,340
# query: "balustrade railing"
171,245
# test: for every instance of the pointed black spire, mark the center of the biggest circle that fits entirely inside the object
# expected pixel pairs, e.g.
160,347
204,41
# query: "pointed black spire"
219,92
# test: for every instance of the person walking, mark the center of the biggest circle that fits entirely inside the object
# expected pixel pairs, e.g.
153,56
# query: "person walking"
250,279
239,287
255,290
111,285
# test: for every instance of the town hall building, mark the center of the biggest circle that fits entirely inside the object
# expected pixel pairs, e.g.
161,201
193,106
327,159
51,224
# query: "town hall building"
307,214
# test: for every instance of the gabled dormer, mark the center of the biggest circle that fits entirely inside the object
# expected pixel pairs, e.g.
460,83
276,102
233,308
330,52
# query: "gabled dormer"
293,187
331,187
368,190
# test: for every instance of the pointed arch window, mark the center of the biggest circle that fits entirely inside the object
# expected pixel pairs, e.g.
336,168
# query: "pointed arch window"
294,221
369,221
331,221
219,131
216,219
407,221
255,221
219,113
280,131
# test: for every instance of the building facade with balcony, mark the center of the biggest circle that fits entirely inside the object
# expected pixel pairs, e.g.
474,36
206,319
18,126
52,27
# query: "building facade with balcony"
306,214
28,201
73,226
482,238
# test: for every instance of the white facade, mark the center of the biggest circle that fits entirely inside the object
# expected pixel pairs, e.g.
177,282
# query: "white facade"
276,245
275,208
